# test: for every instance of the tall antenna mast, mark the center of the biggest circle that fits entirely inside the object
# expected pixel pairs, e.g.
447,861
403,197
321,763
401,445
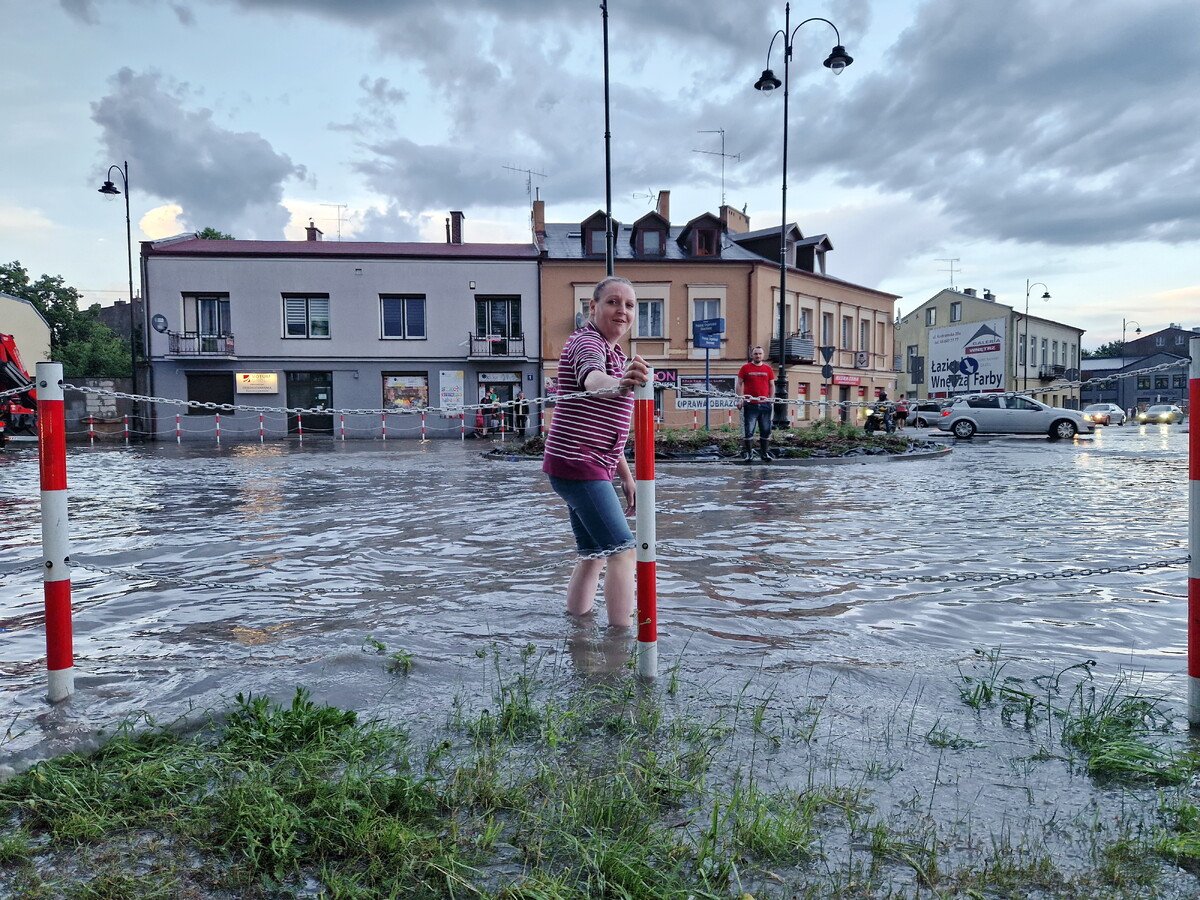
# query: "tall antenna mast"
950,270
529,173
339,207
737,157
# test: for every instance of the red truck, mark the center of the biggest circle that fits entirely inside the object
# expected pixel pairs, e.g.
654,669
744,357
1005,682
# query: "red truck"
18,412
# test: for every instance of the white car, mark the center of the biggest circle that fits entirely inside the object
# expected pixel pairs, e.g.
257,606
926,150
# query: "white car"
1104,414
1011,414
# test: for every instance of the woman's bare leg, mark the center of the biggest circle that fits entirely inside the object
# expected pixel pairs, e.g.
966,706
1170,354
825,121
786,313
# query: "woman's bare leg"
618,588
581,591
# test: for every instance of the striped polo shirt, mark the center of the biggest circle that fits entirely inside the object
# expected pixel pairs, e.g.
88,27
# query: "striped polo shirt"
587,434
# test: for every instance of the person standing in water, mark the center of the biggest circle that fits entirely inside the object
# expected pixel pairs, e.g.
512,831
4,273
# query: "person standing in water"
585,450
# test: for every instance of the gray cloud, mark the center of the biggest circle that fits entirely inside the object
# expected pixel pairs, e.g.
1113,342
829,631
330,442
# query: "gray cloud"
229,180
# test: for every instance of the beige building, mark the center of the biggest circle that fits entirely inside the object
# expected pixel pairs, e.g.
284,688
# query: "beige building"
711,267
21,319
959,342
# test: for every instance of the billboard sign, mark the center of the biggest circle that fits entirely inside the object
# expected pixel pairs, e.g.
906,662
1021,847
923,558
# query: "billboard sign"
967,358
692,394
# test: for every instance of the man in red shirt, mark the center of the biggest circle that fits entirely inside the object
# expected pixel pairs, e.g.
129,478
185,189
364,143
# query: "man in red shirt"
754,385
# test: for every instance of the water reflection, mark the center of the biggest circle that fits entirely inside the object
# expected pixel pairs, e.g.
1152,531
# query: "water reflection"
259,567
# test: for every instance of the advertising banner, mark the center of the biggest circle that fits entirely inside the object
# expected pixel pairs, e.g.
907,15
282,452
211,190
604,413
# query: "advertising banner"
405,391
450,390
967,358
691,392
257,383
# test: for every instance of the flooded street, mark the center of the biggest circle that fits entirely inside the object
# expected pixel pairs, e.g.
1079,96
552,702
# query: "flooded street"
259,568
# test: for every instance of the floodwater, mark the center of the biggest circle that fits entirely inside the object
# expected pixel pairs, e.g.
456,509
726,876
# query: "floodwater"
260,568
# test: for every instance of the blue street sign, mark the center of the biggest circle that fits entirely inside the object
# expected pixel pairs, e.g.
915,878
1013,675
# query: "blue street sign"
706,333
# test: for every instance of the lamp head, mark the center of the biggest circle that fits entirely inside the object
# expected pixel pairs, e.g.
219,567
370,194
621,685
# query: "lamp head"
1139,330
838,59
109,188
767,81
1046,296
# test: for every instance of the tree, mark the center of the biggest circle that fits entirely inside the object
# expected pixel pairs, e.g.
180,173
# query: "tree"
1111,350
212,234
85,346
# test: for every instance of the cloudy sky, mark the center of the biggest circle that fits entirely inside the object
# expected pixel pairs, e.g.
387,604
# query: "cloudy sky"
1053,141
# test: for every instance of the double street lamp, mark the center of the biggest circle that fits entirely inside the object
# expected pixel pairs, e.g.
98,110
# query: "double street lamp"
837,60
111,190
1025,339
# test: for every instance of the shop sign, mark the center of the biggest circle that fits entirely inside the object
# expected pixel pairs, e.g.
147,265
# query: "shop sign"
666,378
499,377
847,379
257,383
450,390
692,392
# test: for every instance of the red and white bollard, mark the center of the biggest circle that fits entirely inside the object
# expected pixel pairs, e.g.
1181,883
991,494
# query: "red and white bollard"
542,421
647,566
218,418
424,439
383,425
300,425
178,429
729,417
695,420
342,425
91,431
462,425
56,543
126,430
261,431
1194,536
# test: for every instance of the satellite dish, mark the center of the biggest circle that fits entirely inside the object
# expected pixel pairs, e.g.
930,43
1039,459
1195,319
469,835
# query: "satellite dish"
159,323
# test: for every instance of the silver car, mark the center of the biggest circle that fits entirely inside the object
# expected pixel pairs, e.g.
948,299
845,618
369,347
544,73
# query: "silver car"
1104,414
1011,414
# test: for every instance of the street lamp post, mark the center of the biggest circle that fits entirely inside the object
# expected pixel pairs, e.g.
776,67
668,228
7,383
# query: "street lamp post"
1124,324
1025,339
111,190
837,60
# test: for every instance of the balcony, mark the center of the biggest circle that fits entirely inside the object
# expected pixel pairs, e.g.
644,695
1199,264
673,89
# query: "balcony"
799,348
192,343
496,346
1050,372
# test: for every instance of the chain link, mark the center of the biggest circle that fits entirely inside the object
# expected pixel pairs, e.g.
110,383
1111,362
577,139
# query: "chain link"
12,392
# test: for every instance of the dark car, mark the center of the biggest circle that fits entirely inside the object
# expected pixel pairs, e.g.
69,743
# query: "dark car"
925,413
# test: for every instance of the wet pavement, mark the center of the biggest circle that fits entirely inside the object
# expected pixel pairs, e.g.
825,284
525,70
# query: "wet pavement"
257,568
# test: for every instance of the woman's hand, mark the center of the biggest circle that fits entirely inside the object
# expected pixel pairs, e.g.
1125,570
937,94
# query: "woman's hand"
629,489
636,373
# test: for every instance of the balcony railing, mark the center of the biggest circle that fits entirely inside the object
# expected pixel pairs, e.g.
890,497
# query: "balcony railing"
497,345
191,343
1050,372
798,348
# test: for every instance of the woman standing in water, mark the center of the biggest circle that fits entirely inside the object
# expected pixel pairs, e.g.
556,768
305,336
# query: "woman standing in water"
585,450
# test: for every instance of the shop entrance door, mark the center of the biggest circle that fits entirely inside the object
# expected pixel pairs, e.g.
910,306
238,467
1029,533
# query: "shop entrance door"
309,390
843,399
506,392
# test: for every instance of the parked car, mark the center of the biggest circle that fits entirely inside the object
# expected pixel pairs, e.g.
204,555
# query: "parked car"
1160,413
925,413
1104,414
1011,414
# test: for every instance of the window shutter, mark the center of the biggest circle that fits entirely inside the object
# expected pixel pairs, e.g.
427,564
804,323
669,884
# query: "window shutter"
295,316
415,316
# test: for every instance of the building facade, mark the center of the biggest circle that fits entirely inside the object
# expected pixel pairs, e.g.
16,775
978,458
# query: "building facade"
340,326
961,342
714,267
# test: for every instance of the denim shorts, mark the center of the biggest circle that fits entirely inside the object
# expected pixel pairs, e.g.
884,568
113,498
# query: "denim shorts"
597,517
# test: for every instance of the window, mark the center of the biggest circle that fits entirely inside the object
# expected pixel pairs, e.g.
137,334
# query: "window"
787,317
1160,382
864,335
1054,346
1021,348
827,329
991,401
806,323
501,316
1143,382
1045,350
706,243
1179,340
956,311
595,242
1160,341
652,242
912,350
209,387
402,317
650,319
708,308
1023,403
847,331
306,317
931,316
206,314
405,390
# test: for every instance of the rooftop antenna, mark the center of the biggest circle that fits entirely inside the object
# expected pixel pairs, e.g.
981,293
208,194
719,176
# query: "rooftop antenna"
648,196
529,173
950,270
737,157
339,207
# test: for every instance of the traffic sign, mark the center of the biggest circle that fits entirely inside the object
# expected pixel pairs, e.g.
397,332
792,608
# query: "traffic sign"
827,354
706,333
826,371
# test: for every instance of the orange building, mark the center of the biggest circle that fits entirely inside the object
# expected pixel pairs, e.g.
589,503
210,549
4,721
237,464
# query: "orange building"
715,267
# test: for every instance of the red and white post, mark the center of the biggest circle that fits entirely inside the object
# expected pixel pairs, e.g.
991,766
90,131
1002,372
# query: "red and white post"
261,430
56,544
383,425
217,416
644,524
1194,536
342,425
91,431
127,430
300,425
178,429
424,439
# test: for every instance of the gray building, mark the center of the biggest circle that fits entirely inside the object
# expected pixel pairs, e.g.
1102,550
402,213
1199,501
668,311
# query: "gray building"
343,326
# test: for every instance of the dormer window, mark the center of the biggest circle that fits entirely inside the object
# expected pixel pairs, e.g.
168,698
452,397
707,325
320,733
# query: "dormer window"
708,242
595,242
652,242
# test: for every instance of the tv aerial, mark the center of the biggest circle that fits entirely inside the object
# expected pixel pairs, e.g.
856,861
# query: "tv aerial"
736,157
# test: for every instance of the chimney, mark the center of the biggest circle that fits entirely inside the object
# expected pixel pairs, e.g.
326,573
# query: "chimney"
970,292
734,220
456,220
988,295
314,233
663,206
539,217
